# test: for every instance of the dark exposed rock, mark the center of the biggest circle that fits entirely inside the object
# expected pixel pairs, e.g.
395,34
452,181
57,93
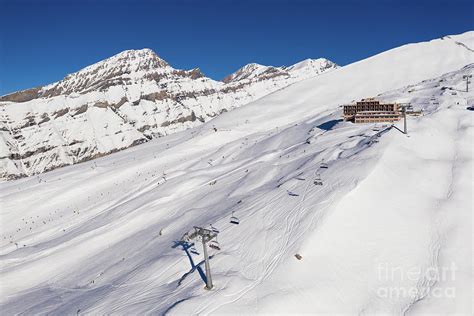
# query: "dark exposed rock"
81,109
61,112
122,101
74,142
22,96
155,76
156,96
144,128
17,156
30,121
193,74
191,117
102,105
44,118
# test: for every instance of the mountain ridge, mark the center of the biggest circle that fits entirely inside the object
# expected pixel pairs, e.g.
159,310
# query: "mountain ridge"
152,62
121,101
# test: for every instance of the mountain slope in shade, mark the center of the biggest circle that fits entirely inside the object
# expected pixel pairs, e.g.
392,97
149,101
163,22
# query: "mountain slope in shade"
119,102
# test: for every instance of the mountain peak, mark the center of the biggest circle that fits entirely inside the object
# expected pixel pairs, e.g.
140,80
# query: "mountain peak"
306,68
136,54
248,71
313,65
119,68
128,60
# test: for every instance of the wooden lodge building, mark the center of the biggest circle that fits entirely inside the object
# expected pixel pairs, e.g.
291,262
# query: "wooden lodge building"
372,111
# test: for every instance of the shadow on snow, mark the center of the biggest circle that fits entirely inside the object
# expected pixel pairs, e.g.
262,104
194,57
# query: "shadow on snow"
327,126
185,246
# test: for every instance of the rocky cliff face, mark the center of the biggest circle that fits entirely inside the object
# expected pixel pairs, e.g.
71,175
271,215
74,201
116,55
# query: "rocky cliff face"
122,101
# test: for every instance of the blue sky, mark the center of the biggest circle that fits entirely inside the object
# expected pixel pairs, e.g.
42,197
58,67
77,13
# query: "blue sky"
42,41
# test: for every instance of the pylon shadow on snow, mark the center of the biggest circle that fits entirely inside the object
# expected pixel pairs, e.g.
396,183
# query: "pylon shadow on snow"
393,126
185,246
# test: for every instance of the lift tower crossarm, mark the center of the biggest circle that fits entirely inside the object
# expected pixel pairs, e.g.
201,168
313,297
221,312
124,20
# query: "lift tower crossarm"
404,107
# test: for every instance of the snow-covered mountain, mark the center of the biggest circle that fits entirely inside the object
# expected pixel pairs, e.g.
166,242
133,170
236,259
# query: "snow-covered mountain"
124,100
304,69
102,237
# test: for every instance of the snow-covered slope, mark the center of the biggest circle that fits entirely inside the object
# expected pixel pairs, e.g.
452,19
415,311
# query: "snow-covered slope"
395,68
99,237
119,102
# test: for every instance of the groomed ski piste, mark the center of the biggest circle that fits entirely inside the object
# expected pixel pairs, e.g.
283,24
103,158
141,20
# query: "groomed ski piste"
102,237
